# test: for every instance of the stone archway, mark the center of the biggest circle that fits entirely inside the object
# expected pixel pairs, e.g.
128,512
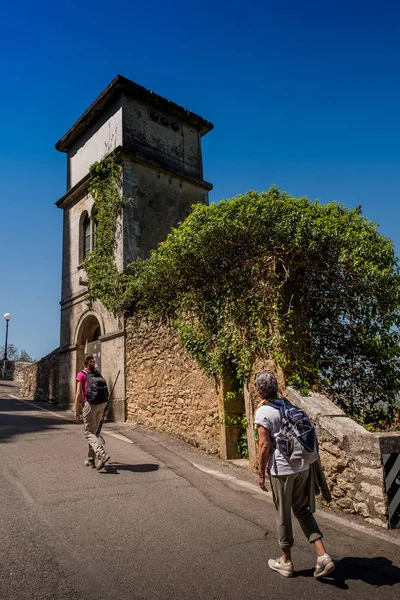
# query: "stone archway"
88,341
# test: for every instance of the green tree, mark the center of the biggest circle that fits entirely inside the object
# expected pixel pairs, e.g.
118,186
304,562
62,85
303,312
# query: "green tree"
313,286
265,274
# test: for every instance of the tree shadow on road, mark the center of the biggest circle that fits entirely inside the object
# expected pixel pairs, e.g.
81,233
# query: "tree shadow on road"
377,571
114,468
16,420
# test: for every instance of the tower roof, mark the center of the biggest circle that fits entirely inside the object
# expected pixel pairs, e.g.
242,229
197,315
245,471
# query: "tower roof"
120,85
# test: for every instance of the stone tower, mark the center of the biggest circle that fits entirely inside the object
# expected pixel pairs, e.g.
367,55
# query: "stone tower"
159,143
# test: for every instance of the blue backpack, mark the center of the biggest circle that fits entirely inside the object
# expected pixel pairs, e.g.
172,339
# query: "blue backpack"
297,437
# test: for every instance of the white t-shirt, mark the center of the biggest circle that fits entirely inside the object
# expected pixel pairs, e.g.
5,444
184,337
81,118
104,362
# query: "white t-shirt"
279,464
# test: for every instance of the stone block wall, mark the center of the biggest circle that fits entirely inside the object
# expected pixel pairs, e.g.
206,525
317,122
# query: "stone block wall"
351,458
160,200
14,369
166,390
350,455
39,380
161,138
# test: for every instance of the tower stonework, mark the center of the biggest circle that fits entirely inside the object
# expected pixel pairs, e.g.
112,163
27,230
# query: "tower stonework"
159,144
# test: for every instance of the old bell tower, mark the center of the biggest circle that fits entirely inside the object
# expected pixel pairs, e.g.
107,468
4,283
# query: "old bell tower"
159,143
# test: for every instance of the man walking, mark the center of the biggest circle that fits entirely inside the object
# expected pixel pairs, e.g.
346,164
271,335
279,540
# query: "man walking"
288,471
90,401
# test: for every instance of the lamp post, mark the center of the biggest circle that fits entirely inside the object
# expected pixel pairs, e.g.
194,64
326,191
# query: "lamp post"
7,317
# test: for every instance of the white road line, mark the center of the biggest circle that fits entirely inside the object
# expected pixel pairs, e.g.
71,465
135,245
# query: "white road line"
117,436
224,476
327,515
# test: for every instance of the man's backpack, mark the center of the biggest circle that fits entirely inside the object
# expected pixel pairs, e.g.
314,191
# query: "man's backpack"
96,388
297,438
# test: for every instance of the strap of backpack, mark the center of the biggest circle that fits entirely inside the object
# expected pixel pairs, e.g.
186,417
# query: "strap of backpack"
276,404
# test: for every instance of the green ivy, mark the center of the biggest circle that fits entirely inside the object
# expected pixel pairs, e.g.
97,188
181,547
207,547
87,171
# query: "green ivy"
105,282
239,424
297,382
269,275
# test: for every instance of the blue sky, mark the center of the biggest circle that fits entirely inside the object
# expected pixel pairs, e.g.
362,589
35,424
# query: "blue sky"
303,94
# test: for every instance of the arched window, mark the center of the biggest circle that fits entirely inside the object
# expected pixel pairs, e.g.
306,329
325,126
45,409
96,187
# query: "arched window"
86,236
94,227
87,233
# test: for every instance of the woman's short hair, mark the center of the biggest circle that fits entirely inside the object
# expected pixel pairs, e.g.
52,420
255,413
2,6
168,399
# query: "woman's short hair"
266,385
87,358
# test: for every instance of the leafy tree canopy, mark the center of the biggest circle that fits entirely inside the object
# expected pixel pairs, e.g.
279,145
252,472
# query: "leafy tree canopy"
313,286
265,274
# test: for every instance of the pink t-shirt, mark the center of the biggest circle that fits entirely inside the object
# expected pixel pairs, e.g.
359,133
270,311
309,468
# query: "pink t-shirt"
83,379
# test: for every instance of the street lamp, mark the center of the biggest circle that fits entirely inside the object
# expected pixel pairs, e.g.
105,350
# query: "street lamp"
7,317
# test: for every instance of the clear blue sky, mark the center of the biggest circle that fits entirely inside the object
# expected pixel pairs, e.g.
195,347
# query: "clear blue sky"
303,94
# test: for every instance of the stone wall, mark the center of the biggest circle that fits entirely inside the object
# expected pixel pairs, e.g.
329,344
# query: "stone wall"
76,318
39,380
14,368
351,457
162,138
159,200
166,390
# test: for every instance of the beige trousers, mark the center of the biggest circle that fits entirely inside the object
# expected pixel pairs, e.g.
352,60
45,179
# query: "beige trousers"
291,492
92,414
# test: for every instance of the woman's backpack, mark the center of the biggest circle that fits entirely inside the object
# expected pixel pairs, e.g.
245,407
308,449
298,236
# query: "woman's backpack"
96,387
297,437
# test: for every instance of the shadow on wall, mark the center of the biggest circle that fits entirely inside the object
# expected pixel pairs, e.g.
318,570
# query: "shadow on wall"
7,373
47,378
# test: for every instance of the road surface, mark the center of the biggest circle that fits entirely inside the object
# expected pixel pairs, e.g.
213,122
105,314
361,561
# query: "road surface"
163,521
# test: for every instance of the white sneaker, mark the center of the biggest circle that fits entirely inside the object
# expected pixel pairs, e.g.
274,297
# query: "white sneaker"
325,566
89,462
102,462
285,569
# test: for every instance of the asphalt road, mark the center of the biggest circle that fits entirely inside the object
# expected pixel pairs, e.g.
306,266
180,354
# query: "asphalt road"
163,521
